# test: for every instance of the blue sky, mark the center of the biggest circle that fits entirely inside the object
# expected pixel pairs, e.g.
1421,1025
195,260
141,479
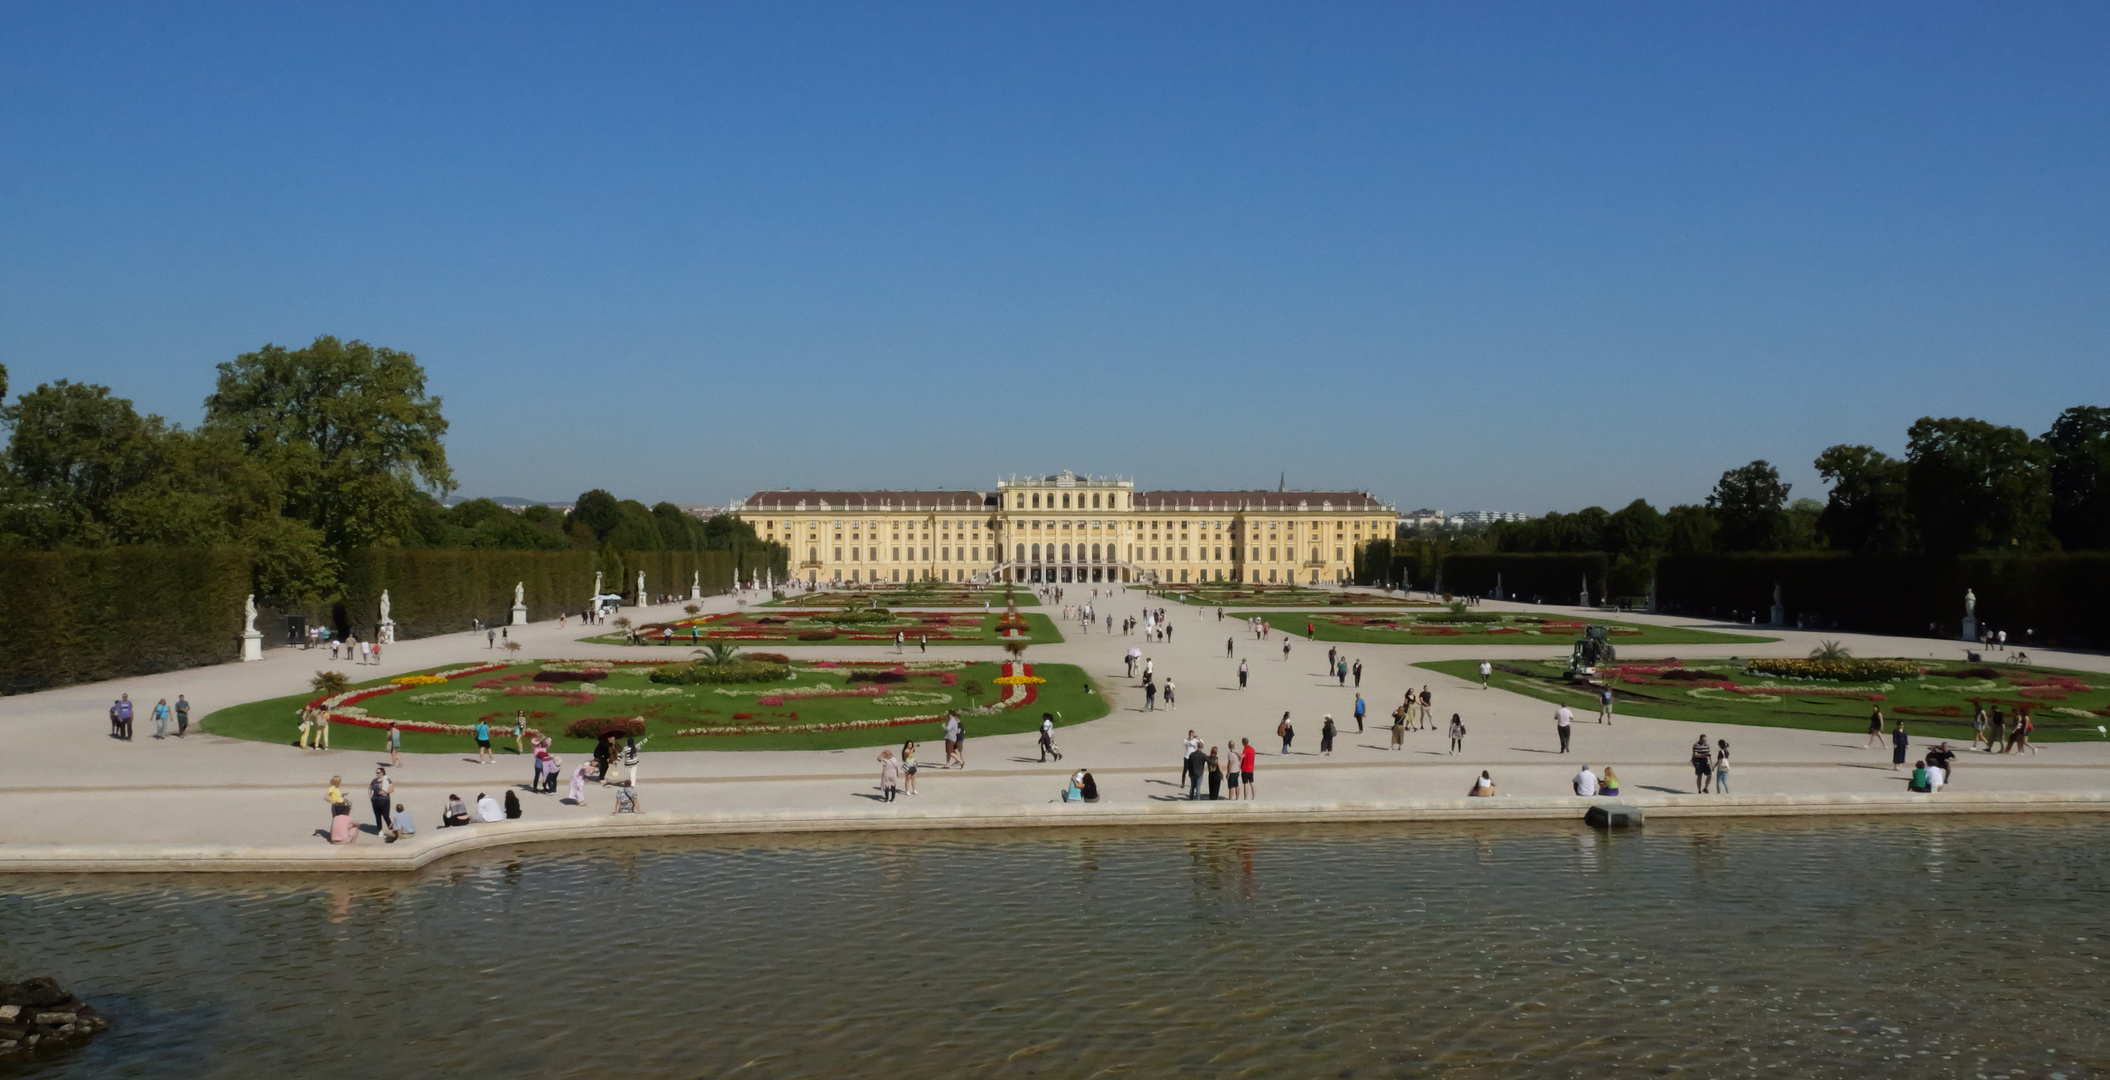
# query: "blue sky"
1523,257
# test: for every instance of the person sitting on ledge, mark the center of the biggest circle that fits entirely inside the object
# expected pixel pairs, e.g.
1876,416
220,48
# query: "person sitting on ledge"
401,824
1088,786
1610,784
1483,787
1919,782
1074,790
487,808
512,805
626,801
455,812
1586,782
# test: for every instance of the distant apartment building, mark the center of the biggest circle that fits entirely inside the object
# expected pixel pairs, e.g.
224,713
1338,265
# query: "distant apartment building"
1488,517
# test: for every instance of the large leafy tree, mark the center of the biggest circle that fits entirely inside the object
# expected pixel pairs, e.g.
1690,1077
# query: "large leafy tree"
1750,504
1974,486
1689,530
2079,442
346,428
74,450
1866,511
1635,531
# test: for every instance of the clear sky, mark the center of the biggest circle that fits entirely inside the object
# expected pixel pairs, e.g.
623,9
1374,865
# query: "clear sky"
1522,257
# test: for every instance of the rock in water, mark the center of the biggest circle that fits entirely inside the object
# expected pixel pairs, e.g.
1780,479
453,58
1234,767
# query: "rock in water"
37,1017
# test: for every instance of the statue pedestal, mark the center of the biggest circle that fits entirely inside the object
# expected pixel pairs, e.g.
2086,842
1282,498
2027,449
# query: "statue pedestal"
1780,615
252,646
519,614
387,635
1970,629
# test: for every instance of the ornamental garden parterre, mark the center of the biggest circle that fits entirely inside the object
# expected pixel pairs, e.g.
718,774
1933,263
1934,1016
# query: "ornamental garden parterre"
847,625
1457,626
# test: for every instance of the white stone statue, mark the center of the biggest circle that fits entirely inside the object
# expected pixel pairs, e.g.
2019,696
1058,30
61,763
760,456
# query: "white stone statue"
641,588
597,588
519,593
384,607
1776,594
249,615
1970,604
696,585
252,640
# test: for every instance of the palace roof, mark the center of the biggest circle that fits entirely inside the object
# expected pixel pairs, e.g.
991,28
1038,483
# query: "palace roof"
861,501
1258,501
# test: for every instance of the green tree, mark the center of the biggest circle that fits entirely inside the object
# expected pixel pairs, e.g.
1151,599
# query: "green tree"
1635,531
1689,530
1750,505
73,450
1865,513
2079,442
598,511
347,428
1975,486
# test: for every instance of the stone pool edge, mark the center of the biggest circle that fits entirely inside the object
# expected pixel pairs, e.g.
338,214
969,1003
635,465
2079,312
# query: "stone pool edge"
373,855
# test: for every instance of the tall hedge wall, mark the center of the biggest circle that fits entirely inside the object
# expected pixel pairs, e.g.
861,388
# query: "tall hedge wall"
80,616
439,590
1558,578
2064,599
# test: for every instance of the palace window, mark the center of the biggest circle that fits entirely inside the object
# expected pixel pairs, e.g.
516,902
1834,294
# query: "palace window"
838,554
1021,557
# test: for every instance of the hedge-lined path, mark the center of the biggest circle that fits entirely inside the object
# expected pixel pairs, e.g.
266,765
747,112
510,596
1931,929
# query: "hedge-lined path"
64,782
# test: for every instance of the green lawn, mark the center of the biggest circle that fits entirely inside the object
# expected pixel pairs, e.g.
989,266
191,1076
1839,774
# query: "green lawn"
1407,628
1934,706
667,709
776,629
935,594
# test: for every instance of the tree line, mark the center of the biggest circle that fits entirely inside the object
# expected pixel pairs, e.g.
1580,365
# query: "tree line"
303,456
1963,487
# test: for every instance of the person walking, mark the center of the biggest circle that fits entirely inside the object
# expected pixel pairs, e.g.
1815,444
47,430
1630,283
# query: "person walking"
1978,725
1241,674
381,792
953,732
1562,718
1169,702
1047,737
2024,727
483,742
161,719
1399,727
1188,746
1428,713
1486,671
1150,695
519,730
1246,757
1702,766
1285,650
1358,670
1899,744
1341,672
395,745
1996,730
1326,733
908,766
1457,734
889,775
322,729
1333,653
1359,712
1875,727
182,715
1230,647
1721,766
1604,704
1288,733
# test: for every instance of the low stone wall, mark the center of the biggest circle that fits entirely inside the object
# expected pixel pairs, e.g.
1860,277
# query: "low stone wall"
37,1017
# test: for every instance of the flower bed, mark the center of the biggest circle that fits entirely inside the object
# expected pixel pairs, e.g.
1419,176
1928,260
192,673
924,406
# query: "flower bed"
1840,670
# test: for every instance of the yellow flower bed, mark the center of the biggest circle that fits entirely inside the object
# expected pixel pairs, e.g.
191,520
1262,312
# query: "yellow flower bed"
418,680
1017,680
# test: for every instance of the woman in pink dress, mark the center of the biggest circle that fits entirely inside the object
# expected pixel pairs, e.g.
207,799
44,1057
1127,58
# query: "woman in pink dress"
578,785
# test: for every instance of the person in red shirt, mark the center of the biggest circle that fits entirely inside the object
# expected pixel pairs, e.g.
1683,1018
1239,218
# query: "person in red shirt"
1245,765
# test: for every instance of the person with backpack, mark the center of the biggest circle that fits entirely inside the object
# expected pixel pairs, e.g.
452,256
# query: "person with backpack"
1287,732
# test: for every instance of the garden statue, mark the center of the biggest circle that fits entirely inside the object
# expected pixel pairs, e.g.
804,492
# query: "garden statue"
641,588
519,603
387,634
597,588
1970,615
1585,590
1780,614
252,640
696,585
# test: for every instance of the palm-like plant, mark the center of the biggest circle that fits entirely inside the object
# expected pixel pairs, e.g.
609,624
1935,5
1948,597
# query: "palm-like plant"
330,682
1831,650
719,653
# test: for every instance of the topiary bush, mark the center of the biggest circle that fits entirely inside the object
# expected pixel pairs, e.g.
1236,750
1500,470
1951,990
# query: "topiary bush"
589,675
1835,670
877,676
744,670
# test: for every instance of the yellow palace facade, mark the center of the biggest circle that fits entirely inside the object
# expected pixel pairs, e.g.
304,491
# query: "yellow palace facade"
1069,528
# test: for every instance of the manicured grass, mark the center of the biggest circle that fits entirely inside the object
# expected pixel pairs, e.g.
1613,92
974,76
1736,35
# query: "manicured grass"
1919,702
938,594
667,709
1520,629
1228,595
776,629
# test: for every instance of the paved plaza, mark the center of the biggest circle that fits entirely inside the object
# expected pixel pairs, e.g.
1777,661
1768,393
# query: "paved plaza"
64,784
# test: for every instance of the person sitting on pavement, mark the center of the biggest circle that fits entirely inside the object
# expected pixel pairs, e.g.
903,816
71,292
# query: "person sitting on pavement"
1586,782
1483,787
1610,784
455,812
487,808
626,798
1920,782
1088,786
401,824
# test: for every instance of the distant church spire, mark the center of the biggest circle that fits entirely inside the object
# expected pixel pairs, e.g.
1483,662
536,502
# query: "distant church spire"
1283,483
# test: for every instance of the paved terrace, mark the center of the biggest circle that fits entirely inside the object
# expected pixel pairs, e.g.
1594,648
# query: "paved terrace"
72,797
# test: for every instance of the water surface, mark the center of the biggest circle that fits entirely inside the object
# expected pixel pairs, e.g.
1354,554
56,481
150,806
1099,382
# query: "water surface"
1839,948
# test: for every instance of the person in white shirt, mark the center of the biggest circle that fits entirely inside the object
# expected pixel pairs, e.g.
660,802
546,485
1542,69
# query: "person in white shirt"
1562,718
487,808
1586,782
1486,669
1936,777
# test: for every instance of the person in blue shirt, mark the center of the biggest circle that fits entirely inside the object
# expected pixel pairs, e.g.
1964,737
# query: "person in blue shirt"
1359,713
483,743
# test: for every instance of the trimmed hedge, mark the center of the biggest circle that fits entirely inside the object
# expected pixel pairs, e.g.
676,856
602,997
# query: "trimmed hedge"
700,673
1557,578
83,616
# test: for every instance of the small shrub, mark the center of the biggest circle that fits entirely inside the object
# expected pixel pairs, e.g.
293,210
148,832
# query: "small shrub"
330,683
512,646
743,716
877,677
620,622
1831,650
693,610
593,727
701,673
972,688
816,635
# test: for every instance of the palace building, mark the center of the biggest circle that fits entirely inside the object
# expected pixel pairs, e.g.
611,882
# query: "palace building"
1069,528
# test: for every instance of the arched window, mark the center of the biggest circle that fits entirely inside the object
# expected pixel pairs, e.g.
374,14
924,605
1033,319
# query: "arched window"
1095,500
813,554
1065,501
1095,553
1036,500
1036,553
1065,547
1021,553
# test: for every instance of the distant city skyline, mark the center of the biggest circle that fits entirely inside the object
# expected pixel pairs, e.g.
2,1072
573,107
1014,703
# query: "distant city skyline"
1530,257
